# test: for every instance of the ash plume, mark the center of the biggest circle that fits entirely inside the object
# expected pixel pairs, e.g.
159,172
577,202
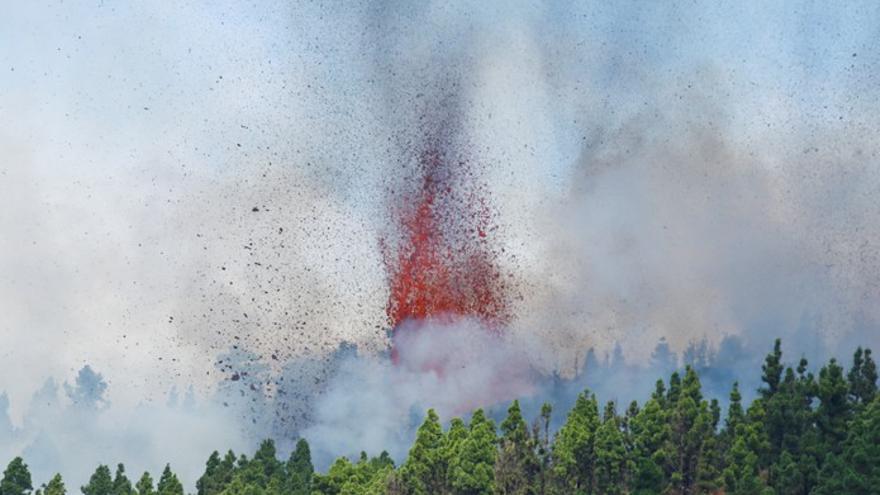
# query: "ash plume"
196,195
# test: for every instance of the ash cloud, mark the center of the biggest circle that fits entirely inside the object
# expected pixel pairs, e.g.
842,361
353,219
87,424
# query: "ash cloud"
195,192
372,404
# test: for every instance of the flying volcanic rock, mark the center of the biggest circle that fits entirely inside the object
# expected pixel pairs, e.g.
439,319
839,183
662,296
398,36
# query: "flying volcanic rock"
445,268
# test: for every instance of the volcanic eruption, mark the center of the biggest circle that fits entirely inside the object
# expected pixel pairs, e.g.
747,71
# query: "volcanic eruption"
445,269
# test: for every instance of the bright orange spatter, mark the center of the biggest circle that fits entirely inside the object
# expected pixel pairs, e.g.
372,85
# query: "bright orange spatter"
444,267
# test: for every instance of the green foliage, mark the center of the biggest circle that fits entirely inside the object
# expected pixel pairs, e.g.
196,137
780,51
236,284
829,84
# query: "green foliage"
168,483
772,371
862,448
144,486
100,482
543,451
862,378
16,478
691,425
857,468
516,464
55,486
650,455
121,483
574,447
802,435
215,477
741,474
834,408
611,457
424,471
300,470
472,472
366,477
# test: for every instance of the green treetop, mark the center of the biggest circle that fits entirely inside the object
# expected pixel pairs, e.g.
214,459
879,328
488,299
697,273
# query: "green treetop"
574,454
610,453
168,483
100,483
424,472
300,470
472,471
121,483
16,478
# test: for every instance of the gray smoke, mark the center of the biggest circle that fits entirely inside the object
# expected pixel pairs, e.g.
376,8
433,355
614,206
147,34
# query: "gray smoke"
193,194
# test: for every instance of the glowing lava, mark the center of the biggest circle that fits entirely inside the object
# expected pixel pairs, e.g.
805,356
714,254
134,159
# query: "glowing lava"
444,268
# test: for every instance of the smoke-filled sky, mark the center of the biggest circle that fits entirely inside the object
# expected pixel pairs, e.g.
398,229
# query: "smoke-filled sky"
178,178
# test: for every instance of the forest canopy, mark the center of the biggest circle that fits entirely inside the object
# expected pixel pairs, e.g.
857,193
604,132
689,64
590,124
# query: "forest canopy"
805,433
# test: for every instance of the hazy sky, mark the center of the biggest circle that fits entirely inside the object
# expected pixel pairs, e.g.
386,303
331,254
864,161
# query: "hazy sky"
136,139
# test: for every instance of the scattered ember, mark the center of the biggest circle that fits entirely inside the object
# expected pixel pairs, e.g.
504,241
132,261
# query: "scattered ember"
444,268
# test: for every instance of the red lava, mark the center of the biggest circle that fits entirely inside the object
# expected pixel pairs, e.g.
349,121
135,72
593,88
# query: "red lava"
444,268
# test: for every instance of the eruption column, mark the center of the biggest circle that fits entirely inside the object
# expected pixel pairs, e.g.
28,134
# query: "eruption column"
444,268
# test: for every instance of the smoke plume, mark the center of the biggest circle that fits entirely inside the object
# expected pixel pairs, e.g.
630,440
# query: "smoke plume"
210,195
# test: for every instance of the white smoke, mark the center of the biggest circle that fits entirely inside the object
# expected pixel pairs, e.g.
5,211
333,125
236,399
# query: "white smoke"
74,430
453,366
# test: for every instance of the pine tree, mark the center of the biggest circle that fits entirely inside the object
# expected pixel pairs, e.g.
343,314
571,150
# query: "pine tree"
611,457
541,440
55,486
121,483
650,437
862,378
691,424
711,458
787,476
472,471
834,408
266,463
453,442
573,450
631,412
775,404
837,478
517,464
16,478
300,470
659,394
674,391
424,472
741,474
772,371
168,483
510,479
810,452
857,468
100,482
789,423
369,476
227,469
779,408
339,474
207,484
514,428
862,446
144,486
735,415
757,439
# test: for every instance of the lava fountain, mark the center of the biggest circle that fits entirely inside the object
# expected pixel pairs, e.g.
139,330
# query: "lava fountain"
444,269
